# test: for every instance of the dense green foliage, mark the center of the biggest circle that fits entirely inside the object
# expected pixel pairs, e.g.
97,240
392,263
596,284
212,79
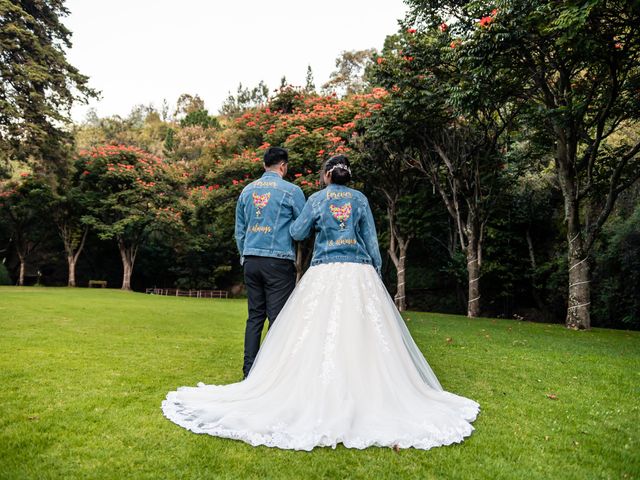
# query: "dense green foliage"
192,246
37,84
570,70
450,134
5,279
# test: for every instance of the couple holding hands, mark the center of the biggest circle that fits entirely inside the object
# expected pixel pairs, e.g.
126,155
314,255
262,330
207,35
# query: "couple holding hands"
339,365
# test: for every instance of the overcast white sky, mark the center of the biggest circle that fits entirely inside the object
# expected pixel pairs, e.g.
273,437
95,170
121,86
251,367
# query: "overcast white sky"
142,51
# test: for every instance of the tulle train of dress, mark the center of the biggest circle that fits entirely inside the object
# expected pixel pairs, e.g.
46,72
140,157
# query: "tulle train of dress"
338,366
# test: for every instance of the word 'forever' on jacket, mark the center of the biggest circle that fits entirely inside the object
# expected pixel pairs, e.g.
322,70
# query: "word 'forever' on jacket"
343,224
264,212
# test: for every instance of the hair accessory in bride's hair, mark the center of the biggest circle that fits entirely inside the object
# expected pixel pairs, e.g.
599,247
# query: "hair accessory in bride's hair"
341,166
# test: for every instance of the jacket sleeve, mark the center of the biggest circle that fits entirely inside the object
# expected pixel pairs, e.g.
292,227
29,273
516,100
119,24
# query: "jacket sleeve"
298,201
370,236
300,229
241,225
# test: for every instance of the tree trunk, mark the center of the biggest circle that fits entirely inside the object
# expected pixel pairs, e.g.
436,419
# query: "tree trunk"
73,251
72,271
128,255
398,246
126,274
400,297
473,270
22,269
578,311
578,308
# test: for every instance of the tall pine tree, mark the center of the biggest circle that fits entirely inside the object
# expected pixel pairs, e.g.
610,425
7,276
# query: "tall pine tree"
38,85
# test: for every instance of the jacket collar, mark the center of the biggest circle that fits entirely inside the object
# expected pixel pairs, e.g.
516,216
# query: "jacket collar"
270,174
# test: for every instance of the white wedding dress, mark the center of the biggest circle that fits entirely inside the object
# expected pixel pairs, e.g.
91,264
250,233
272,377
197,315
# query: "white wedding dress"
338,366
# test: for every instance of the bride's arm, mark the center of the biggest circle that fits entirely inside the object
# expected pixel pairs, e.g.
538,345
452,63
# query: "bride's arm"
370,236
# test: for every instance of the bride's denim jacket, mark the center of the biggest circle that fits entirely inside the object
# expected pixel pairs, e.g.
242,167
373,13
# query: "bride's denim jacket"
345,231
264,212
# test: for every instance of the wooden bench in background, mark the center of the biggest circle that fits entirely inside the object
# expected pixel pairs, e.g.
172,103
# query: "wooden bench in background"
98,283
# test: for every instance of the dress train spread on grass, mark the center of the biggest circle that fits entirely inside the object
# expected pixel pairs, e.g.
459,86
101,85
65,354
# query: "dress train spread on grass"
338,366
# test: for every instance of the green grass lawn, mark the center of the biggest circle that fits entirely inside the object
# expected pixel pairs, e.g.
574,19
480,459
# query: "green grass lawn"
83,372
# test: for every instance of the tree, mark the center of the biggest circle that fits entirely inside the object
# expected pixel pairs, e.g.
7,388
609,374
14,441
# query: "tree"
200,118
457,132
5,279
392,176
67,209
186,104
38,86
287,99
579,71
169,141
310,86
245,99
311,127
384,165
142,128
130,194
349,76
24,208
617,272
190,142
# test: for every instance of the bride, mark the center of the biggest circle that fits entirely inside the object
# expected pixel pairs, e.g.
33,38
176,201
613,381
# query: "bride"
339,365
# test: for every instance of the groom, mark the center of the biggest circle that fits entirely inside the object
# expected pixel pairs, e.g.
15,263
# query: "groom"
265,210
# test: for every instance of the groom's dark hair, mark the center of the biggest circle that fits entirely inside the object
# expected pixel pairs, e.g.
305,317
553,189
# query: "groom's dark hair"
275,155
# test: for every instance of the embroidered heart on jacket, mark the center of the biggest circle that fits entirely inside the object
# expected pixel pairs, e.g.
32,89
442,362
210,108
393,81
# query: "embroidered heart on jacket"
261,201
342,213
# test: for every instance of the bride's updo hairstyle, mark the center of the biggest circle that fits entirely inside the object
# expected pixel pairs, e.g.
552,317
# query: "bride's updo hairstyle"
338,167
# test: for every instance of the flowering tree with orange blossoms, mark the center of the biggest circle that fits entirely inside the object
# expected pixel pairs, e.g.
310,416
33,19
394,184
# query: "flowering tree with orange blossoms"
129,194
316,128
214,164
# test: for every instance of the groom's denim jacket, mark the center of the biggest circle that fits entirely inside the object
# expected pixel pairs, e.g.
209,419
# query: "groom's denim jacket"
264,212
345,231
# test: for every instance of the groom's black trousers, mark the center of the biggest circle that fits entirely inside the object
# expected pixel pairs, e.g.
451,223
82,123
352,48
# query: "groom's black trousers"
269,283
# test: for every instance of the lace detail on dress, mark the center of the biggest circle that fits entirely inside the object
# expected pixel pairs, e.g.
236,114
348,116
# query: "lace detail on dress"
373,308
343,385
328,353
328,363
311,305
281,437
